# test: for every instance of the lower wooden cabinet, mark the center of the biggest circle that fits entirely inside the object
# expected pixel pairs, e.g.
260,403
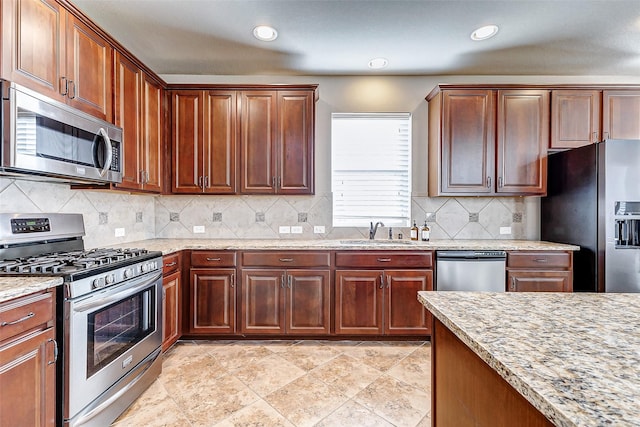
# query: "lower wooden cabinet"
171,299
286,301
28,353
381,302
534,271
212,301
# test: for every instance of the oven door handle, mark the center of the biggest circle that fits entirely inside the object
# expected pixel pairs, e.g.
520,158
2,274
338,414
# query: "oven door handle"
130,288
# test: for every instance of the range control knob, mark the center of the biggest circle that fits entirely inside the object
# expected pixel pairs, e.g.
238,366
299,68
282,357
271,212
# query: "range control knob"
128,273
98,282
110,279
146,267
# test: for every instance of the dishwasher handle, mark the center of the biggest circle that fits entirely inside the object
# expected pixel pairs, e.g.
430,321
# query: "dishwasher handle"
457,255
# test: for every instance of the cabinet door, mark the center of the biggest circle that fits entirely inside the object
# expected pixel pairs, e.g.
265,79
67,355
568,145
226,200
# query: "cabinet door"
89,70
523,137
262,303
308,304
404,315
575,118
358,304
220,146
213,301
620,114
27,381
539,281
33,45
152,135
257,142
171,291
468,142
295,143
187,135
127,116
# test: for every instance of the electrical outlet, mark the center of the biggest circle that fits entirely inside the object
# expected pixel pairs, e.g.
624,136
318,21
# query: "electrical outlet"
318,229
197,229
119,232
284,229
505,230
296,229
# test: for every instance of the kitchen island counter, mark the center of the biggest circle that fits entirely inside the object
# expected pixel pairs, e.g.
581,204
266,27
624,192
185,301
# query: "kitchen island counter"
574,357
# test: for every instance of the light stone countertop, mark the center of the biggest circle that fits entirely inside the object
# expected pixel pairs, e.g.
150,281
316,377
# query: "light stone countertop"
167,246
573,356
15,286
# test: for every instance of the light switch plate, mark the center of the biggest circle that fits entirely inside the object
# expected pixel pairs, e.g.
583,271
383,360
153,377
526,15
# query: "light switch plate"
296,229
505,230
284,229
198,229
119,232
318,229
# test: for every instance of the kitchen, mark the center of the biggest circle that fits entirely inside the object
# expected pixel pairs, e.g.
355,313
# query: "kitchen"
138,217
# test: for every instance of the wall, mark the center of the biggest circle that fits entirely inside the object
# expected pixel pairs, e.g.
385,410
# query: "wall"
260,216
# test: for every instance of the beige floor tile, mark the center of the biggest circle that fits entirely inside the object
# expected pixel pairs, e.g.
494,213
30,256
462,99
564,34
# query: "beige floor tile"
415,369
154,408
426,421
309,354
258,414
268,374
380,355
399,403
353,414
346,374
237,355
306,401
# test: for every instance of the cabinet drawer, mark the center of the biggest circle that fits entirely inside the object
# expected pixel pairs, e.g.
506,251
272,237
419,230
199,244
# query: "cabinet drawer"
171,263
213,259
286,259
544,260
25,313
384,259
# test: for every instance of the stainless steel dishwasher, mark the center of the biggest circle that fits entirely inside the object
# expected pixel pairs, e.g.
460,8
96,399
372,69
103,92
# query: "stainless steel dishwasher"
481,271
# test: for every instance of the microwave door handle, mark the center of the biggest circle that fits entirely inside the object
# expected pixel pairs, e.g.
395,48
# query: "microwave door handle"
108,151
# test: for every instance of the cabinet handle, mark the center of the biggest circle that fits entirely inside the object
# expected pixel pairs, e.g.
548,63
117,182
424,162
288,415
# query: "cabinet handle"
206,181
55,352
233,279
500,182
22,319
73,86
384,259
282,280
278,181
286,259
381,281
488,182
200,180
171,264
65,83
213,259
513,283
388,280
605,135
273,182
541,260
595,137
289,280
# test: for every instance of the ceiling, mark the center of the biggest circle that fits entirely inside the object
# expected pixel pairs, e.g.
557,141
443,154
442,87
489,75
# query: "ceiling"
339,37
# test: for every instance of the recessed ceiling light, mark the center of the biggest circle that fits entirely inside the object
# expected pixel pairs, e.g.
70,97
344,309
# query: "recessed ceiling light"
265,33
378,63
485,32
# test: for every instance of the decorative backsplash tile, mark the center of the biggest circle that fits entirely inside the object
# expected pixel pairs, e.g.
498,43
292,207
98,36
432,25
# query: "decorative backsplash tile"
258,217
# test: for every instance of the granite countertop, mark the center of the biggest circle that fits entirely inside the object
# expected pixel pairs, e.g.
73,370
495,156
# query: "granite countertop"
17,286
167,246
575,357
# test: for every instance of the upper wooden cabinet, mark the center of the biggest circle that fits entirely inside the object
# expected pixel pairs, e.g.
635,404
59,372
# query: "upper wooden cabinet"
249,141
575,118
488,142
621,114
49,50
138,110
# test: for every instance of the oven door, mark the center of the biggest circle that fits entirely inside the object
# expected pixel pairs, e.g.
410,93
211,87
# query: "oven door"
107,335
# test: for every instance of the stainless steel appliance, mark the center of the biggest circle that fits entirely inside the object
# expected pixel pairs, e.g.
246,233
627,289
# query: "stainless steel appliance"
593,200
480,271
48,140
109,312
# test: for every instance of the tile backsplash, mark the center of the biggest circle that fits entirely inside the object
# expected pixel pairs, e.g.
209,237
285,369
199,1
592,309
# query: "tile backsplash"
257,217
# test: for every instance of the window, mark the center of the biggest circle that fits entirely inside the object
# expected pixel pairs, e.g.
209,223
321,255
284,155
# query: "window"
371,169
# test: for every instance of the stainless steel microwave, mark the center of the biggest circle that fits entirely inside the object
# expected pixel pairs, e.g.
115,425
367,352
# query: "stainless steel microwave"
46,139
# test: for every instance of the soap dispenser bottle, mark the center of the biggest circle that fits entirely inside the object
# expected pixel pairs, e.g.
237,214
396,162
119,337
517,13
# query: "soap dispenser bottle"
424,233
414,231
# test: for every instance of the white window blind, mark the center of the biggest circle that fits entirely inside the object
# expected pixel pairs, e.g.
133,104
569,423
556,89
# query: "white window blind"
371,168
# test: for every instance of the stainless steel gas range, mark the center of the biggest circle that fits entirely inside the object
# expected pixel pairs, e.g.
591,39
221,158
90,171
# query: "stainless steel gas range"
109,318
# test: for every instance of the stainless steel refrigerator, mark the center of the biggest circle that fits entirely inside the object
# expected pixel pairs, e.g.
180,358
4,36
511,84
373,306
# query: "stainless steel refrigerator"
593,200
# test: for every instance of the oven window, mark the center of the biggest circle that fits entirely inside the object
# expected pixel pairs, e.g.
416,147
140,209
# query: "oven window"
114,329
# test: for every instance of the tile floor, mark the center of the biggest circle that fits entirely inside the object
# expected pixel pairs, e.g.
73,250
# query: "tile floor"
288,383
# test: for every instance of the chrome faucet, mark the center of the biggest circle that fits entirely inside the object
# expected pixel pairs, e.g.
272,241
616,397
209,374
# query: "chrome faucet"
373,229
